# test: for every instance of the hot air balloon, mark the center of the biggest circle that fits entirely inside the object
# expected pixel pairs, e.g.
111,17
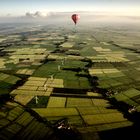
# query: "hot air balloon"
75,18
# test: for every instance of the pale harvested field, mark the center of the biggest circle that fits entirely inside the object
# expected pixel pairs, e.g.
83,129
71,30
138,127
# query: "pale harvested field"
67,45
2,39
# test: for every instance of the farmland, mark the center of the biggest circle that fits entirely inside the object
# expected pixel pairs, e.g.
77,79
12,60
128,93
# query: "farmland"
90,75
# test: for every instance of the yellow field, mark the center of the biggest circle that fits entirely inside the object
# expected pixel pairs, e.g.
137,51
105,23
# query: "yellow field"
2,63
79,102
2,39
23,99
67,45
52,56
54,83
29,51
100,102
88,110
33,39
56,102
75,57
103,71
28,92
114,117
99,49
72,36
104,118
25,71
48,112
95,71
98,58
35,83
37,79
110,70
24,87
105,43
3,76
94,94
29,72
38,86
103,109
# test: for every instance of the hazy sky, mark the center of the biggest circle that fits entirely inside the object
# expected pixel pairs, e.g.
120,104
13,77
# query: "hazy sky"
20,7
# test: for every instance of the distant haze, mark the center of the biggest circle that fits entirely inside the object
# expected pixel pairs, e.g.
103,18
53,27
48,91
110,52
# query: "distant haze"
65,18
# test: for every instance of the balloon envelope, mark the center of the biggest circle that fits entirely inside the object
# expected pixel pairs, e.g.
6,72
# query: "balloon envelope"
75,18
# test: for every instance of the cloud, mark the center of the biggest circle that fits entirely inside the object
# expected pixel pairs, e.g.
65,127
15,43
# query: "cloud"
37,14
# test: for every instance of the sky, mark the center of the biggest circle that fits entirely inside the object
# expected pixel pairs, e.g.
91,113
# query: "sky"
20,7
